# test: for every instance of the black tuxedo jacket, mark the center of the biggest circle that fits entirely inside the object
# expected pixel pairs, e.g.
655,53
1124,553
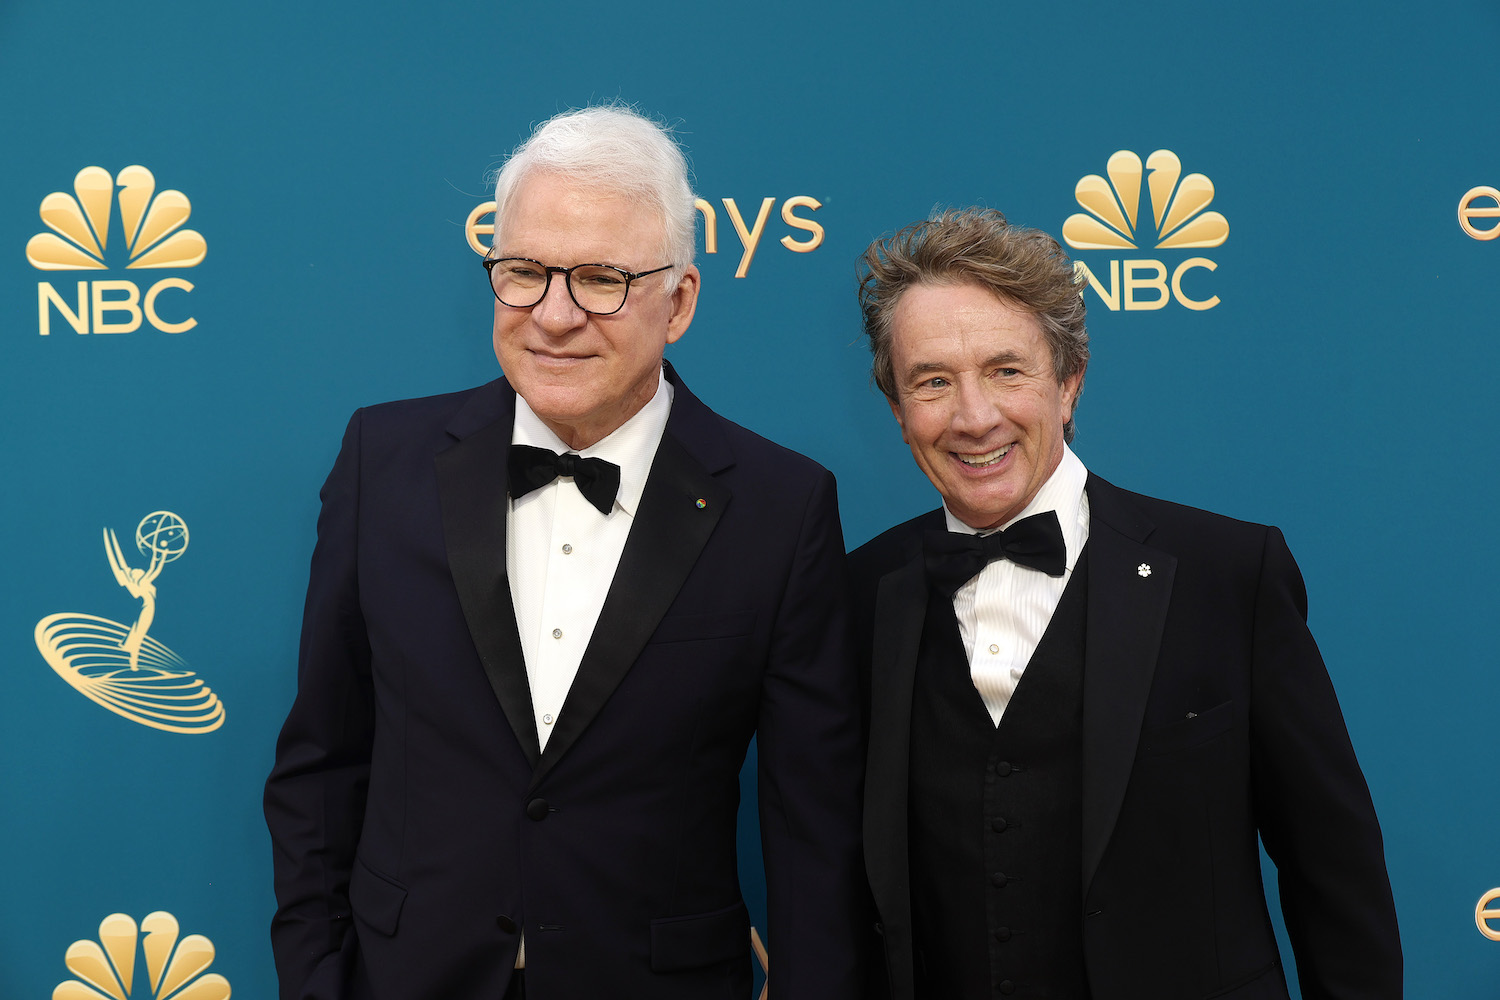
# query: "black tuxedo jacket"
1208,718
417,829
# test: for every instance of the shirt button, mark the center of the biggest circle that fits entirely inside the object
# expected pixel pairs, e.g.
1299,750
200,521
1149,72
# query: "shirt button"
557,633
994,648
567,550
547,719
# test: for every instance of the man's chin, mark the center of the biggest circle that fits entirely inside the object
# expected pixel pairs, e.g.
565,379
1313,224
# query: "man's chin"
983,512
551,393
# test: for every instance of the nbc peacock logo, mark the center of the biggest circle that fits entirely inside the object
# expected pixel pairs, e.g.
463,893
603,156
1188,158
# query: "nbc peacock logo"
1112,220
119,666
151,231
174,966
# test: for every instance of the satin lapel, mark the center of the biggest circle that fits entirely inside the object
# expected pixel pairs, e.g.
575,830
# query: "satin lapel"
900,612
1129,590
679,508
472,488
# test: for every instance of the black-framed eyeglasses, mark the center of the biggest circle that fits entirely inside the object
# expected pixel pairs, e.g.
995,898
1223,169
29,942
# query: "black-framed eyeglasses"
521,283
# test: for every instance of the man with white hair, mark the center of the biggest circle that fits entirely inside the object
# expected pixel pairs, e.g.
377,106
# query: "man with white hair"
545,618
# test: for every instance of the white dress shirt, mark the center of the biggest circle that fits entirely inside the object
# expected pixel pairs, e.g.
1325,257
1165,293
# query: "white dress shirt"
561,553
1003,612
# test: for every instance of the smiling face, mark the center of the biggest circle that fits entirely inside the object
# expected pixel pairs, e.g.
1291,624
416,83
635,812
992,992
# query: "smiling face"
585,375
977,399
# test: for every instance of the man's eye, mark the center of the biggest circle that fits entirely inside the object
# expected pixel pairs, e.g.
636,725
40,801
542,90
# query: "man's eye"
599,279
522,271
1008,372
936,382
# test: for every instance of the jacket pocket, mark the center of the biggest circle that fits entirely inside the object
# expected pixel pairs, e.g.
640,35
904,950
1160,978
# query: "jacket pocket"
687,628
691,942
1263,984
375,899
1187,733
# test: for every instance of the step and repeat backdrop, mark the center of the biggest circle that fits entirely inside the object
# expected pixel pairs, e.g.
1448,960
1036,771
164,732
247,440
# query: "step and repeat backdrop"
226,227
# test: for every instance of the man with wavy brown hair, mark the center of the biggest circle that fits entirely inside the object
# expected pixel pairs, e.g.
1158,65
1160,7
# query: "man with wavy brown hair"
1085,704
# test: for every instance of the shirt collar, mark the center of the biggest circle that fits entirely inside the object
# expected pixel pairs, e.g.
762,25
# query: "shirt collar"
631,446
1063,492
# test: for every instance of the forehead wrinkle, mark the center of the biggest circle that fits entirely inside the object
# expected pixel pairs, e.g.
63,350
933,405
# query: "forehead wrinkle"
551,255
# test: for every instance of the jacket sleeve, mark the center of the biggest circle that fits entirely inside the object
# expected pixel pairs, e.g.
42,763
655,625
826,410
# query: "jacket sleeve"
315,796
810,761
1312,805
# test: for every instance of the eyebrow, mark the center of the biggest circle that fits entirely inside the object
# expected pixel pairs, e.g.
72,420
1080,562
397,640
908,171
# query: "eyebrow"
1004,359
922,368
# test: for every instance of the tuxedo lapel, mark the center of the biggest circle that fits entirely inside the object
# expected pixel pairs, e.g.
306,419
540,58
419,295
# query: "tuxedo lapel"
900,613
680,506
1129,590
473,494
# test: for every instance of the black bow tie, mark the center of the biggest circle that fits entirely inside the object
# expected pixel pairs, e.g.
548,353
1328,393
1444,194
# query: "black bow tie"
954,558
532,468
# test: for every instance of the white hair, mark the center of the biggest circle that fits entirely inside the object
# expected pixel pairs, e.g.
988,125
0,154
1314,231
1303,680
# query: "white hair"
616,147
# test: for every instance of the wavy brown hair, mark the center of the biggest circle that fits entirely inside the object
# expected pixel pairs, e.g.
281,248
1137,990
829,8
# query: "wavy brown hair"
1025,267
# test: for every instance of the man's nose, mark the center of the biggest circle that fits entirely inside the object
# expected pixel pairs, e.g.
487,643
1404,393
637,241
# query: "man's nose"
977,412
557,313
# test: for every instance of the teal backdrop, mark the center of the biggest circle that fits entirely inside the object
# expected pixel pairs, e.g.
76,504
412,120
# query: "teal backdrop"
330,156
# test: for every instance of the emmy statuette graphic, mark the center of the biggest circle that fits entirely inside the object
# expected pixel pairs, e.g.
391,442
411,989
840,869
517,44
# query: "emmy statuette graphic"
121,667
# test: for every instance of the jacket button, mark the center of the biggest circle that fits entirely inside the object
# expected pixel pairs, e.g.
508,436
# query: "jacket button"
1003,768
1006,987
998,824
998,880
1002,934
507,925
537,809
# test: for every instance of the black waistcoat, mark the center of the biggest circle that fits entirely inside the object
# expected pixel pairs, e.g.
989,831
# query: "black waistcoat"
996,817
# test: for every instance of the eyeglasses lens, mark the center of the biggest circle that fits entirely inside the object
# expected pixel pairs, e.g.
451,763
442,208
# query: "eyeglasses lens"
595,287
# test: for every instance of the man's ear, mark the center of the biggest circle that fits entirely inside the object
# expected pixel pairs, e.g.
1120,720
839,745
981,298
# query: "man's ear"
1072,386
684,303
